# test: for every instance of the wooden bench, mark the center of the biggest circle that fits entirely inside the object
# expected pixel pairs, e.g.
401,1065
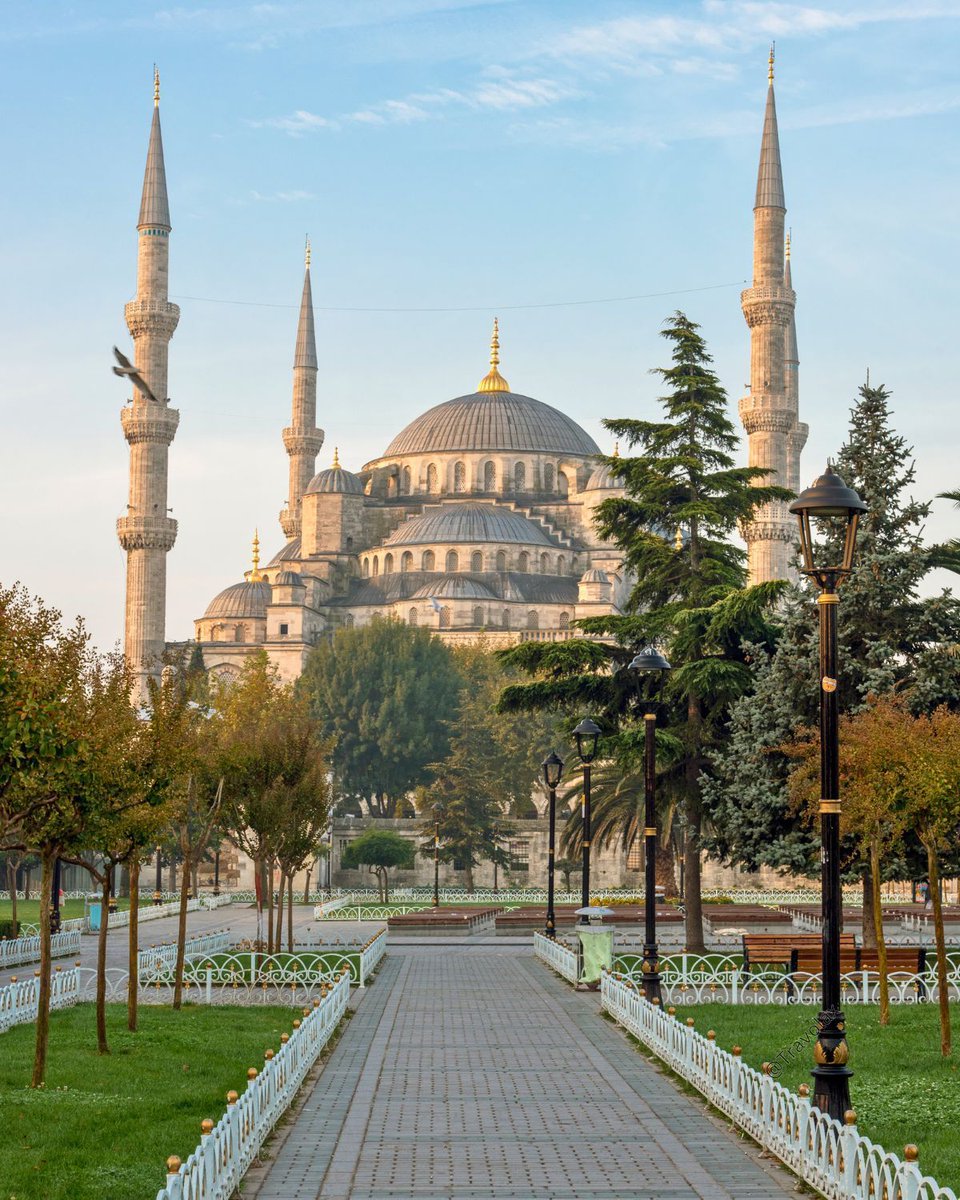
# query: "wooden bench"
778,949
911,960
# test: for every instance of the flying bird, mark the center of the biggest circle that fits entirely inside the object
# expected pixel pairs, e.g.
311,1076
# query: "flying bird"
126,368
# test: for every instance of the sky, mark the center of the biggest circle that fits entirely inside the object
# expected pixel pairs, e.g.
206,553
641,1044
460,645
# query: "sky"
579,170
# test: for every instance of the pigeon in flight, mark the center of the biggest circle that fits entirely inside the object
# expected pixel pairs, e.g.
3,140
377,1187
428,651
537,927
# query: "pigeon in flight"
126,368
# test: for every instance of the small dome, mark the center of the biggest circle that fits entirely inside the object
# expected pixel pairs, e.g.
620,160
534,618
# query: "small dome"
454,587
469,523
336,479
240,600
289,579
603,478
594,575
289,553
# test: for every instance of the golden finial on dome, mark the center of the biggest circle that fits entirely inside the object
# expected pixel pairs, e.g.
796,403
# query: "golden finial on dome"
156,86
493,381
773,46
678,540
256,575
616,449
307,255
336,458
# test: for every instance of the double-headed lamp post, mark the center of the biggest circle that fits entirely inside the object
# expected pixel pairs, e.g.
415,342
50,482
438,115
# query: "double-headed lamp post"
552,774
585,737
650,663
830,499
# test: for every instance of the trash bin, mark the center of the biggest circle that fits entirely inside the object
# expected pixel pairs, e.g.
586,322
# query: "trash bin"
596,945
93,915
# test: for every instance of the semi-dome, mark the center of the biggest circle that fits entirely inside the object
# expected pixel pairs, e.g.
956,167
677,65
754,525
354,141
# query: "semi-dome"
469,523
454,587
594,575
603,478
336,479
288,579
245,599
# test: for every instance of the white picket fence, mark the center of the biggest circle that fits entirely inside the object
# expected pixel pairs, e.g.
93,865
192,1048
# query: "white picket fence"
226,1150
831,1156
163,959
19,1001
555,954
14,951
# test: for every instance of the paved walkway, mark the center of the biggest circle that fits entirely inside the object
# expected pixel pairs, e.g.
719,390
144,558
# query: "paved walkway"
476,1073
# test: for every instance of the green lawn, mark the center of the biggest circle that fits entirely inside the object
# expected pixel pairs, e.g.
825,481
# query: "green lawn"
902,1090
29,911
103,1127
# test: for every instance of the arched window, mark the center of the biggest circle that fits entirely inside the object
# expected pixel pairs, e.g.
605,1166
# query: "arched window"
406,562
561,564
519,477
376,566
505,619
348,620
548,477
489,477
478,616
392,486
476,561
240,633
533,620
523,561
501,560
366,568
405,481
428,561
453,560
432,485
388,564
564,622
459,477
445,617
413,616
563,487
544,564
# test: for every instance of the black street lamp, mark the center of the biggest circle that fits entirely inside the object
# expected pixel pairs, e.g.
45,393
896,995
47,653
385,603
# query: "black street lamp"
55,898
552,774
829,499
650,662
216,872
585,735
436,860
158,889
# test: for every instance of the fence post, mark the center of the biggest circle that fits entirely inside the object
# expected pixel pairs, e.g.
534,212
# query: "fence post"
909,1175
209,985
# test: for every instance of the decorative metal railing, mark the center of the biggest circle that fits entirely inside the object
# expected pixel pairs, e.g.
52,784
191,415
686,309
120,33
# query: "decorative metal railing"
832,1157
370,955
19,999
366,912
162,959
14,951
226,1150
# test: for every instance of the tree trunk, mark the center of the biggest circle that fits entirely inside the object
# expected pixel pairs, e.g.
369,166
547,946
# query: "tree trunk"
868,920
12,888
278,936
879,943
290,914
195,879
181,934
693,909
26,882
306,887
268,869
468,877
133,974
102,1045
666,868
43,1005
943,994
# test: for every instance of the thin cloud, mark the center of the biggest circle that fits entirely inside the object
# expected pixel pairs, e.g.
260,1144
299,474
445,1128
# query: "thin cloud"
291,197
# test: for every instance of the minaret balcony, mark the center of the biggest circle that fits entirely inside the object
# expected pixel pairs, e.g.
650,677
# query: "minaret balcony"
302,441
152,316
144,421
756,417
290,523
146,533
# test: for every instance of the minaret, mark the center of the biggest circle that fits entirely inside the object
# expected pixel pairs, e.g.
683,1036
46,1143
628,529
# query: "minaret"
302,438
797,437
769,412
146,533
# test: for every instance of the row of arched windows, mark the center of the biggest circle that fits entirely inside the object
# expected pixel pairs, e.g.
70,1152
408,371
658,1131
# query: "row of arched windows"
481,619
453,561
514,480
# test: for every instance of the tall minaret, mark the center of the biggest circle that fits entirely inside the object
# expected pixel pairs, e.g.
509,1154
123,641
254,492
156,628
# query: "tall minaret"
146,533
769,412
302,438
797,437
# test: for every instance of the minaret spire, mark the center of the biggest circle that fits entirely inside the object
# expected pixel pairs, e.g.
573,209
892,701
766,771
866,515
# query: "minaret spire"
769,412
302,438
146,532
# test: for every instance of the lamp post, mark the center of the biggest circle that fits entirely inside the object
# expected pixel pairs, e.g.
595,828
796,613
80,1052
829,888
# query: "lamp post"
650,662
158,889
55,898
829,498
585,736
436,859
552,774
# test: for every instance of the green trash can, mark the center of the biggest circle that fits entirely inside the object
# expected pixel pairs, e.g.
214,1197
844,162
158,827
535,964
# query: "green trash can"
93,915
596,945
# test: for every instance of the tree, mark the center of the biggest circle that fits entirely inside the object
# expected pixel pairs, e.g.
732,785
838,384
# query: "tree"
385,693
379,850
891,639
689,596
566,867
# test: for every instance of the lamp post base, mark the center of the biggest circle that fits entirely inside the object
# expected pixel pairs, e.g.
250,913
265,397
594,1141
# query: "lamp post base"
551,930
650,971
831,1075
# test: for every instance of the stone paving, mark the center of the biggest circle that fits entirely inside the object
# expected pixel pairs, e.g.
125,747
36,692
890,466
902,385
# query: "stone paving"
473,1073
